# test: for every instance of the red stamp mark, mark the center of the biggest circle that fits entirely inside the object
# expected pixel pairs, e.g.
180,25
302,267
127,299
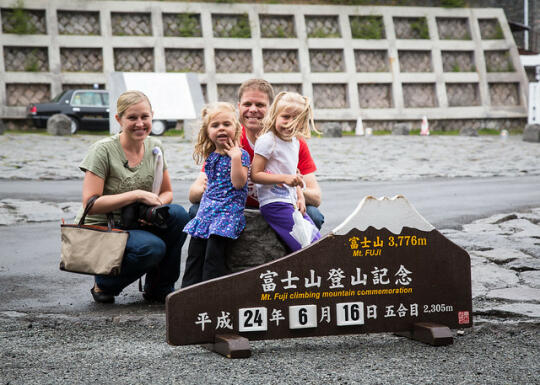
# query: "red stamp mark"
463,317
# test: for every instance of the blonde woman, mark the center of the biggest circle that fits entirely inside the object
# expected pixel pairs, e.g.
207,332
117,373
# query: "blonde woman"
120,170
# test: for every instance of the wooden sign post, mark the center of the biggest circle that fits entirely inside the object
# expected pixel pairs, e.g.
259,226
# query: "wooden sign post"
416,283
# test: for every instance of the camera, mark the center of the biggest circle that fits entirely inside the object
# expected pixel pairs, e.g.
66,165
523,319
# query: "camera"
153,215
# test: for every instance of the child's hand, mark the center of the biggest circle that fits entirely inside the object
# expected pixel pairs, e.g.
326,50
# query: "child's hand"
292,180
232,149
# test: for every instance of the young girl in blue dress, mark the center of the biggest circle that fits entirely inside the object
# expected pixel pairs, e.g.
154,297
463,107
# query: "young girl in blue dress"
221,213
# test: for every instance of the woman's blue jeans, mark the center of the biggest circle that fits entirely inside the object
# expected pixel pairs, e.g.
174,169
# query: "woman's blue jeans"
155,253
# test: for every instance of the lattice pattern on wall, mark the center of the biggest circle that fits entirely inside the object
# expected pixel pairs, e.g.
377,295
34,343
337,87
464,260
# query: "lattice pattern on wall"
371,61
78,23
231,25
330,96
453,28
322,26
415,61
326,60
182,24
490,29
85,86
498,61
462,94
280,60
375,95
134,59
29,59
279,26
81,59
411,28
19,94
228,93
458,61
184,60
504,94
287,87
204,90
531,74
233,60
367,27
419,95
36,23
131,24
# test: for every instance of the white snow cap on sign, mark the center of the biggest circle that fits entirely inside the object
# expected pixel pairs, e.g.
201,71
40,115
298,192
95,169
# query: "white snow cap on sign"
390,213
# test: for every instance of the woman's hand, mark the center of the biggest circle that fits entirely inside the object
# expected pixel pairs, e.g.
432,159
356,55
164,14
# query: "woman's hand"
148,198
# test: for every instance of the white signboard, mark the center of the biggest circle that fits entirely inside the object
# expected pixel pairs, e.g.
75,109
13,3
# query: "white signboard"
174,96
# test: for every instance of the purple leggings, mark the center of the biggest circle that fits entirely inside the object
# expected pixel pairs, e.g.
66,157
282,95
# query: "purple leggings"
279,215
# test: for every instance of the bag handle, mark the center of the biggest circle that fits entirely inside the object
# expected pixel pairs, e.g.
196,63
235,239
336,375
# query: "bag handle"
89,205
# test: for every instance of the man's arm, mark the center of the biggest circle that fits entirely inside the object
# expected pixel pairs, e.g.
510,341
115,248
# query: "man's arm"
312,193
196,190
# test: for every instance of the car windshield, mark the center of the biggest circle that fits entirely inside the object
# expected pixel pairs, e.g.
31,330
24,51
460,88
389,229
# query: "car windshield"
58,97
87,98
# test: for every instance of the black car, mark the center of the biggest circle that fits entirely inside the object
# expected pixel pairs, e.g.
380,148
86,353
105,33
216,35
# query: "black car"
88,109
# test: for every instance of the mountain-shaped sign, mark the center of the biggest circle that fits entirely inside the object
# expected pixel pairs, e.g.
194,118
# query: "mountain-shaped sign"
384,269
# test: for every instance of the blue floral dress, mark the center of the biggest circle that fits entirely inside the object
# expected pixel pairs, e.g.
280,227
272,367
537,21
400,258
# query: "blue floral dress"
221,211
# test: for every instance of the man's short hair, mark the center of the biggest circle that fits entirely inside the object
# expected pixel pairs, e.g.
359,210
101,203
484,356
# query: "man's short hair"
258,85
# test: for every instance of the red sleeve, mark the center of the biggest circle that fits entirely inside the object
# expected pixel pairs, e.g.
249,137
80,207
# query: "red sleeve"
306,165
244,142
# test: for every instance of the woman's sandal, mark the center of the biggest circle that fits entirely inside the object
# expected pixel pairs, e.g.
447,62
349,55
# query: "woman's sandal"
101,296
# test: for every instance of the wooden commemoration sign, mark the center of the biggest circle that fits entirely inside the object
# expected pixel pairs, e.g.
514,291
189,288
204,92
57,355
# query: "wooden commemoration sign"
415,282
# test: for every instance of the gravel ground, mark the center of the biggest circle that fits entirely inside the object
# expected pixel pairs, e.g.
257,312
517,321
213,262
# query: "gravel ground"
348,158
49,351
502,348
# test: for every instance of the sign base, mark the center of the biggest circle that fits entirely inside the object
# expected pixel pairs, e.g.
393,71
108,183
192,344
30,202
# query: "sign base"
429,333
230,346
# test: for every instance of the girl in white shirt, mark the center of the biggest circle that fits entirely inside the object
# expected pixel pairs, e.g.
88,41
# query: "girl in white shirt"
279,187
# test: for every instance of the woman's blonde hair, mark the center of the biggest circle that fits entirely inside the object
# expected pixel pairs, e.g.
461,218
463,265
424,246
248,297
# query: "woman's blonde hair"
301,125
129,98
204,145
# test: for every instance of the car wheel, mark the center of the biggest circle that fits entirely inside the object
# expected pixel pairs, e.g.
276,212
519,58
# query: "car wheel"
74,125
158,127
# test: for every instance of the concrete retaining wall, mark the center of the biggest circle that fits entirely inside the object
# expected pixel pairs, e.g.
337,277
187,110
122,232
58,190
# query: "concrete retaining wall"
380,63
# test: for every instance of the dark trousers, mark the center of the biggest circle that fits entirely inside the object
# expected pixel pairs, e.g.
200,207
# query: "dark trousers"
206,259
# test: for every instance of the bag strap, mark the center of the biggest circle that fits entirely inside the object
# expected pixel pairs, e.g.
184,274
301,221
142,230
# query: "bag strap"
89,205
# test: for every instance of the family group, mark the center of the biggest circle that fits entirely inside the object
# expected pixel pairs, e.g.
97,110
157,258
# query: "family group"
254,157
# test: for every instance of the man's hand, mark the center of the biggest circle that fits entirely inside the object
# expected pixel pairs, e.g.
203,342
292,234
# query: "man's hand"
198,188
312,191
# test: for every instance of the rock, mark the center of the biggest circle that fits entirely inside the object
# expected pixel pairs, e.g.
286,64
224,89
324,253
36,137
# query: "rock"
519,309
59,124
531,133
531,278
468,131
257,244
2,127
500,256
524,264
401,129
517,294
492,276
331,129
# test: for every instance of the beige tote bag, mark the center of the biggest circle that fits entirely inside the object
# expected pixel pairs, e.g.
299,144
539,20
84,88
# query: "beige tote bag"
89,249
